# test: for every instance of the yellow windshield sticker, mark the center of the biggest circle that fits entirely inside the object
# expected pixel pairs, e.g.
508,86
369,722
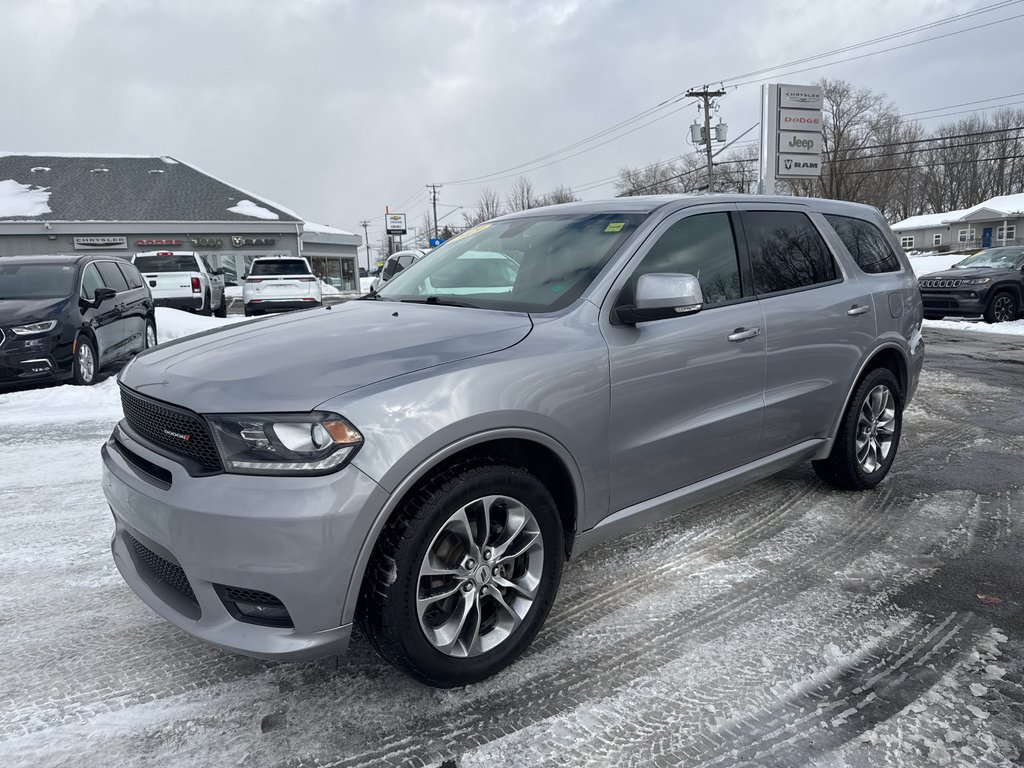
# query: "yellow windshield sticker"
474,230
615,226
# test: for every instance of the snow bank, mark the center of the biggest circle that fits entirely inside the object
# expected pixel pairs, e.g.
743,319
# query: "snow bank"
249,208
1014,328
934,262
22,200
61,405
174,323
365,283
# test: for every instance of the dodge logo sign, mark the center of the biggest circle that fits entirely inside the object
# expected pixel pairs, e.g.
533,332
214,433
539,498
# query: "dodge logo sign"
178,435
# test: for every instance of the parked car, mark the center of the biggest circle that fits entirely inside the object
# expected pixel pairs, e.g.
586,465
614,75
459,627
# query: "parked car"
395,263
183,280
989,283
69,317
423,462
280,283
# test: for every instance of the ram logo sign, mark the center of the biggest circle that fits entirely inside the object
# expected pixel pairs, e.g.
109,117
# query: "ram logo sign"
799,165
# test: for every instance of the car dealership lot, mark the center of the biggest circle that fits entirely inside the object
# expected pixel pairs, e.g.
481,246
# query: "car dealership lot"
787,624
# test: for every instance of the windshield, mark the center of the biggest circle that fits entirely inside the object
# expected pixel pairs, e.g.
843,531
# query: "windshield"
530,264
280,267
172,262
1005,258
36,281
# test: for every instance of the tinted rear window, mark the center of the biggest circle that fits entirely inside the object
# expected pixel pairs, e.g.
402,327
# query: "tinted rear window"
866,244
175,262
36,281
279,267
786,251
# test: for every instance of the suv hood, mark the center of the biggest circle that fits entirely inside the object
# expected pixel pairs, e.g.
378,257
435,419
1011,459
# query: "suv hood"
967,273
295,362
22,311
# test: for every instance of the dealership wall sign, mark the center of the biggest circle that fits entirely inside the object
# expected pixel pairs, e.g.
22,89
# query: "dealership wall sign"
160,242
104,243
240,242
207,242
791,128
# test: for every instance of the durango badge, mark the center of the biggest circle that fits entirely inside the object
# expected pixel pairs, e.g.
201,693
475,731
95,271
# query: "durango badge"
178,435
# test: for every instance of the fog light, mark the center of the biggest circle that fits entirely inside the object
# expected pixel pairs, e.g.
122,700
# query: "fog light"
263,611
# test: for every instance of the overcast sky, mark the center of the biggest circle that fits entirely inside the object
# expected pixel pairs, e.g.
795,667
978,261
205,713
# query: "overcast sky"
336,108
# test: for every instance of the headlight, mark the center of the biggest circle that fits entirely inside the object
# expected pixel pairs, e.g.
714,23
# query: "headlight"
284,443
27,330
977,281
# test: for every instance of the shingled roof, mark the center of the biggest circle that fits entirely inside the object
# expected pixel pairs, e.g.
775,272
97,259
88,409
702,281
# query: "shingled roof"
127,188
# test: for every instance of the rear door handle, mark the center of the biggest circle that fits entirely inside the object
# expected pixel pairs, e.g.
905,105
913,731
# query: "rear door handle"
858,310
741,334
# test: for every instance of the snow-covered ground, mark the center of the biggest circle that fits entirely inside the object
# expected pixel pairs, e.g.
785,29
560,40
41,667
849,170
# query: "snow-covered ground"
175,323
786,625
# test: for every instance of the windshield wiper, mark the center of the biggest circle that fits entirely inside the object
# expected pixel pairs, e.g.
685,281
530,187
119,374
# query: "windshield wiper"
441,302
372,296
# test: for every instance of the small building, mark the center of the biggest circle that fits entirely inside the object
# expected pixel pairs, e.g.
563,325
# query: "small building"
123,204
995,222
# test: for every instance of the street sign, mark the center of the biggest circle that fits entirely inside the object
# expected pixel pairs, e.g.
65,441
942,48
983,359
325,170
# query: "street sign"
395,224
436,241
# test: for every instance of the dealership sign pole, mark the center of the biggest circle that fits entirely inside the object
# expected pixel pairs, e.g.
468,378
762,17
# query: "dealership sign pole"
791,125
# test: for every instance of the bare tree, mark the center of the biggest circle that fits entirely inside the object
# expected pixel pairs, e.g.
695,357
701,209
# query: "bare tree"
488,206
560,194
522,196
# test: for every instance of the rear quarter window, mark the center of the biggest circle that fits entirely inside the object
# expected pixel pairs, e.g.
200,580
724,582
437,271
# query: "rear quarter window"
866,243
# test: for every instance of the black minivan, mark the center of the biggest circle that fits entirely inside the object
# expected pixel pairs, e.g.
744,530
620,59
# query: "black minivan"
69,317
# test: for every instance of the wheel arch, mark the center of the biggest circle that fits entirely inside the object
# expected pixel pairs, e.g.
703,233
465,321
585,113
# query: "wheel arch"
891,356
540,454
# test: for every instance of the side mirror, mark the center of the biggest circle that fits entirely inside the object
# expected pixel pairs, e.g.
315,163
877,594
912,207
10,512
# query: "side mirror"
102,294
245,275
219,272
660,295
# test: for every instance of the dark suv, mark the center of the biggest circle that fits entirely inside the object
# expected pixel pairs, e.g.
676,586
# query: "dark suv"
990,283
67,317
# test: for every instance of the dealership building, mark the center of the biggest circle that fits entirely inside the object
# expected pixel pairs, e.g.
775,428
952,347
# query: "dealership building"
125,204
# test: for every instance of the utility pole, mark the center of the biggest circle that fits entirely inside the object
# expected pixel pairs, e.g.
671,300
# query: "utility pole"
433,199
366,239
706,96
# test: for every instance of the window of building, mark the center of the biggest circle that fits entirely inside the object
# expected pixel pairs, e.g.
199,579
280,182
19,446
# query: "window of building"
786,251
866,244
965,236
1006,233
702,246
907,241
937,238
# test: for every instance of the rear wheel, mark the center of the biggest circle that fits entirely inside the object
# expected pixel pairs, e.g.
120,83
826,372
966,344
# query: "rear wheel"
869,435
463,579
150,334
85,365
207,310
1002,308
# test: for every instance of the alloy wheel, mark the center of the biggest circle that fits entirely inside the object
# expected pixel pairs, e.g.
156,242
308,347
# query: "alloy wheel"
86,362
480,576
150,336
1002,309
876,427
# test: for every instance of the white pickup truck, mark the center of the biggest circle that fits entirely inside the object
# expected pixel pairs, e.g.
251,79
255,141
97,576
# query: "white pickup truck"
183,280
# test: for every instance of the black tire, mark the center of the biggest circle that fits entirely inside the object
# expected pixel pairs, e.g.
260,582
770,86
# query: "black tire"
1002,308
842,469
222,310
207,310
388,602
85,375
150,327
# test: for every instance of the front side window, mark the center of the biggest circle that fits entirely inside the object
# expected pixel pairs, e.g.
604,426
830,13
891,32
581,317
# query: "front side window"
91,280
112,276
131,274
538,263
786,251
36,281
866,244
702,246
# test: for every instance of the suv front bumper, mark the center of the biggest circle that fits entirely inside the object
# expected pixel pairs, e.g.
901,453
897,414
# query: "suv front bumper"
180,540
963,302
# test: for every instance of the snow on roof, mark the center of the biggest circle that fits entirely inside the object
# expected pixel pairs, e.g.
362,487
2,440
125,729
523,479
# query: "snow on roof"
73,154
22,199
258,198
311,226
1003,204
249,208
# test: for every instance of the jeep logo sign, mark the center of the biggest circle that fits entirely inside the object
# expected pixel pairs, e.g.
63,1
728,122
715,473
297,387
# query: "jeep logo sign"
794,142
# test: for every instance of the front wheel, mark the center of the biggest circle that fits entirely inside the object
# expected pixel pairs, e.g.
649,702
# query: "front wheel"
865,446
1002,308
463,579
85,364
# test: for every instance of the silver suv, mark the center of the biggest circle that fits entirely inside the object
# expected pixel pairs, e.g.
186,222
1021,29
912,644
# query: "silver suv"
424,460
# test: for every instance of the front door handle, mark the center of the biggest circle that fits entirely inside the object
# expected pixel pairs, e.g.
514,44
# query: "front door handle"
858,310
744,333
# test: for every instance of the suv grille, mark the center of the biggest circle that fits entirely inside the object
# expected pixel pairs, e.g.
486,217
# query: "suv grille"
179,431
169,573
939,283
